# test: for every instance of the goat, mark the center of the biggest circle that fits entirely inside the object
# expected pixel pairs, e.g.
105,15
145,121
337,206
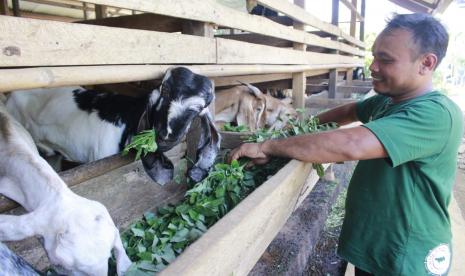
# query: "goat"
85,125
78,234
247,105
13,265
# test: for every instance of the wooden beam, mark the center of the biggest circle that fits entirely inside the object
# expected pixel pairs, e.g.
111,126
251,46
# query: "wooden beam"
88,75
259,39
303,16
254,222
59,43
298,79
235,80
232,52
353,19
362,24
145,21
208,11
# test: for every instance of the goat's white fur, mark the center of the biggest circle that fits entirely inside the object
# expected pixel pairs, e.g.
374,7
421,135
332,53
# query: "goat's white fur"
78,233
57,124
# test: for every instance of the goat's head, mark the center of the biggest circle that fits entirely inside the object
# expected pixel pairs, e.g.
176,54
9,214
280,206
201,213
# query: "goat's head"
181,97
79,239
278,112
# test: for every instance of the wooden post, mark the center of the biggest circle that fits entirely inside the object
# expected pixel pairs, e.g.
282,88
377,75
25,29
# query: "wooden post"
299,82
333,72
199,29
353,19
85,10
362,23
4,7
100,11
16,11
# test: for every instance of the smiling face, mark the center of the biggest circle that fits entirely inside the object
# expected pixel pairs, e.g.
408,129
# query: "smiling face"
397,68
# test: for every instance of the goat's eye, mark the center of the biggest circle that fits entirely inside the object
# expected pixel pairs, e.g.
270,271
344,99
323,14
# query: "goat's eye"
259,109
270,110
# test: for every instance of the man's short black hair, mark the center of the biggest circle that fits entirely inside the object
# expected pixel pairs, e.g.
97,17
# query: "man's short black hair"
428,33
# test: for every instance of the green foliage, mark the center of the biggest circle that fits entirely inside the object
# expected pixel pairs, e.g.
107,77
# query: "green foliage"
308,124
155,241
239,128
143,143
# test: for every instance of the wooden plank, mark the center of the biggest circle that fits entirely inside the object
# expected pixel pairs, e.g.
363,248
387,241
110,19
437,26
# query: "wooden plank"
298,90
258,39
213,12
232,52
145,21
301,15
30,44
245,232
88,75
235,80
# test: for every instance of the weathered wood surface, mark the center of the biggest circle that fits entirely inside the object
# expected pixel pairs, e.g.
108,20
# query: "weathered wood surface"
235,243
301,15
213,12
32,42
26,42
87,75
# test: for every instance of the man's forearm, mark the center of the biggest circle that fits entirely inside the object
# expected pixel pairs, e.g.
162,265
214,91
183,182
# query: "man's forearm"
356,143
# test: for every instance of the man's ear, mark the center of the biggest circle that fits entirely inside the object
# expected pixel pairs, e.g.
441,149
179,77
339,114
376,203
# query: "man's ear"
428,63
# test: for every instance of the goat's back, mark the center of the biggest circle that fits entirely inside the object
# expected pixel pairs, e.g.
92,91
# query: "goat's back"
56,123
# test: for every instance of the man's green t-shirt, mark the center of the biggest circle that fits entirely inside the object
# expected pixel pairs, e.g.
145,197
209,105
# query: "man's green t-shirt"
396,221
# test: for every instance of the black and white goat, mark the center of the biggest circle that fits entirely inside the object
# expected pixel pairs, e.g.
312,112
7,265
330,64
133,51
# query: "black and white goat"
85,125
78,234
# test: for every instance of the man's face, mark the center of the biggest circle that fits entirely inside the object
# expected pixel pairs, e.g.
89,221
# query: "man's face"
395,67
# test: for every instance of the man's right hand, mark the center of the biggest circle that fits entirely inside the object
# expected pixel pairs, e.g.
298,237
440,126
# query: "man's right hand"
251,150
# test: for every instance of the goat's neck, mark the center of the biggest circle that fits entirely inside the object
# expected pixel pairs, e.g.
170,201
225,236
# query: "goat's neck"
36,180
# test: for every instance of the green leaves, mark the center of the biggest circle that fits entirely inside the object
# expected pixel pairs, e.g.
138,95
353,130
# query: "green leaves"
155,241
309,124
143,143
239,128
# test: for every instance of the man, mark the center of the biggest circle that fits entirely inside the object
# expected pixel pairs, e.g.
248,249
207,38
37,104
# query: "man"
396,220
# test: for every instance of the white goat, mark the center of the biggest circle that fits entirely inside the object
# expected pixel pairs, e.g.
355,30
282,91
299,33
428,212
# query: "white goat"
78,233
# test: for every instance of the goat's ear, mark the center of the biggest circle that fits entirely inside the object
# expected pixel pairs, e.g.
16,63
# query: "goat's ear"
122,260
158,167
207,148
14,228
253,90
